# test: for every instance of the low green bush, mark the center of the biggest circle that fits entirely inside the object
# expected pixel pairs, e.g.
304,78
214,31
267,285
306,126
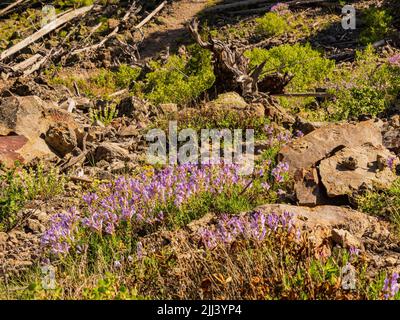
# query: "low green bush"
20,185
307,65
272,24
370,87
383,203
181,79
378,25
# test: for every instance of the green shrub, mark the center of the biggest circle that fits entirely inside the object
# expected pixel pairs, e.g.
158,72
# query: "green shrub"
358,101
307,65
181,79
105,115
103,83
272,24
126,76
20,185
378,23
369,87
384,203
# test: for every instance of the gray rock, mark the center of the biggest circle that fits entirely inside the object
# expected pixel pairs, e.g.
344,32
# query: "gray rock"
109,151
345,239
343,178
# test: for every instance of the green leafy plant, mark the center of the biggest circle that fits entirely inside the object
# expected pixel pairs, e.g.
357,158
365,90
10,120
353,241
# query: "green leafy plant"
369,87
272,24
382,203
73,3
105,114
20,185
307,65
181,79
378,22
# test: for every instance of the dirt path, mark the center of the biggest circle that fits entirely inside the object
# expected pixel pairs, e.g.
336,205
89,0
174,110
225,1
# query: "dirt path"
169,29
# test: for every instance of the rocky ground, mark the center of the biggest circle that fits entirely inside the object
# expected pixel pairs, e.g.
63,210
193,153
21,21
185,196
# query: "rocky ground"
73,130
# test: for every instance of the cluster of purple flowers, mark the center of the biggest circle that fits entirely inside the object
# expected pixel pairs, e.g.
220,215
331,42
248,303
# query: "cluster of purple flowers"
280,8
395,60
354,251
391,163
254,227
391,286
279,171
138,200
60,235
280,138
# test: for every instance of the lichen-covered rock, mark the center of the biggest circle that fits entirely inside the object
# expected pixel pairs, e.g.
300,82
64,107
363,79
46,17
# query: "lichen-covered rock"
29,118
350,169
61,138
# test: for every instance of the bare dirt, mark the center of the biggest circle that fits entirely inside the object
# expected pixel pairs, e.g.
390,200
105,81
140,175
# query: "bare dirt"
169,28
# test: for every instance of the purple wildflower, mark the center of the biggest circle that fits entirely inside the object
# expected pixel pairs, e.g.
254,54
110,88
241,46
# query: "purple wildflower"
354,251
117,264
299,134
394,60
266,186
280,8
60,235
391,163
391,286
254,227
279,171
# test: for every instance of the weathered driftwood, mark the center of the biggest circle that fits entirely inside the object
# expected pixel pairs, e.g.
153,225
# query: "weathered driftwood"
43,31
232,69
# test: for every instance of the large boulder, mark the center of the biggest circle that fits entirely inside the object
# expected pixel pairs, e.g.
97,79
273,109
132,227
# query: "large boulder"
343,226
306,152
317,161
232,102
9,147
110,151
352,168
29,118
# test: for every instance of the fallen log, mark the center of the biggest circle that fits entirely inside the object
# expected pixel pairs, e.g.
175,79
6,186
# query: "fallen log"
45,30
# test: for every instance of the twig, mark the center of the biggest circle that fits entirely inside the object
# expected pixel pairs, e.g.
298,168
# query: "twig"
118,93
308,94
76,89
109,36
26,63
80,179
8,8
45,30
151,15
